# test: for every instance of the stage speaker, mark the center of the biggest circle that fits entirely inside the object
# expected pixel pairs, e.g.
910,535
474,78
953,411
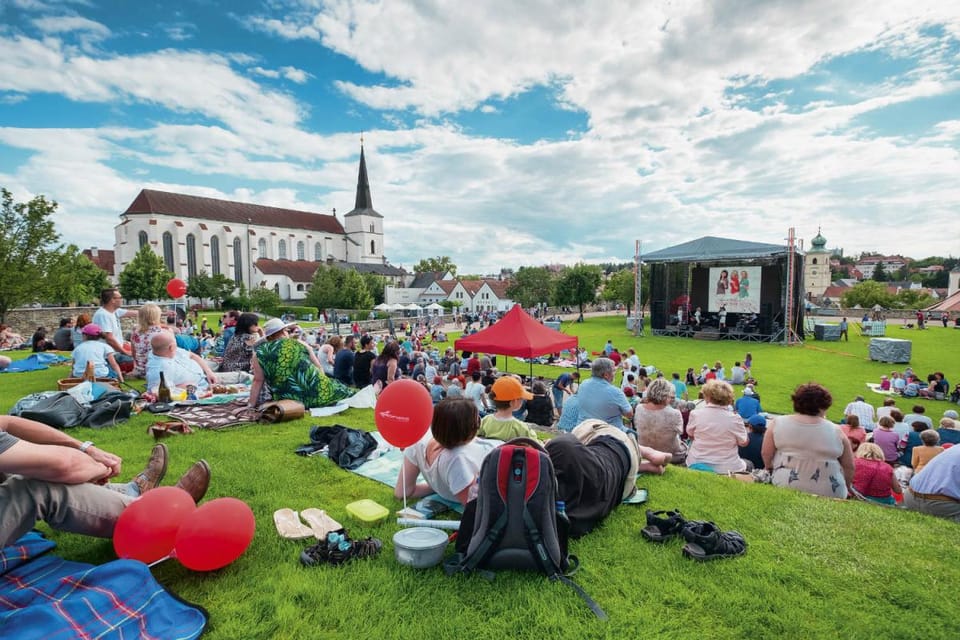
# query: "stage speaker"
766,318
658,314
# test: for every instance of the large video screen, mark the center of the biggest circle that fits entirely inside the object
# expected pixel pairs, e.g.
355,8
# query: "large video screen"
736,288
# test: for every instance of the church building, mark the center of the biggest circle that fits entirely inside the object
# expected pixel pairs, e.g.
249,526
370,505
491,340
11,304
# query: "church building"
257,245
816,268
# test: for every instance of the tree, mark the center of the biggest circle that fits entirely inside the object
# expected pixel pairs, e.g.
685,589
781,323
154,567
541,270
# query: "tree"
375,285
336,288
439,263
620,287
264,300
73,278
223,288
914,299
200,286
145,277
578,285
867,294
532,286
28,244
879,273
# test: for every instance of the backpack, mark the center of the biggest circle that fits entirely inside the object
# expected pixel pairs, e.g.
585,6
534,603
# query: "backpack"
515,520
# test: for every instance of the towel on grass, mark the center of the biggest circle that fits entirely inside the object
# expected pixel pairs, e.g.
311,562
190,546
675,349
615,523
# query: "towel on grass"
45,597
34,362
875,387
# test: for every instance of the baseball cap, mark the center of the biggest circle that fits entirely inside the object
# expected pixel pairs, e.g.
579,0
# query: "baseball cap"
91,330
506,389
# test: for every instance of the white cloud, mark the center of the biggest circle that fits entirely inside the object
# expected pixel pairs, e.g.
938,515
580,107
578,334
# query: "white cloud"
68,24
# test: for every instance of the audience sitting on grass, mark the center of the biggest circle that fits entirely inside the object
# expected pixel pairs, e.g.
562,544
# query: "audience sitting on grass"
918,414
752,452
889,404
862,410
927,449
748,405
805,451
658,424
856,434
935,490
887,439
540,407
508,395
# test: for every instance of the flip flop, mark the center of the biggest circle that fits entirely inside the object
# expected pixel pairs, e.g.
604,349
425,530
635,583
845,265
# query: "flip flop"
320,523
289,525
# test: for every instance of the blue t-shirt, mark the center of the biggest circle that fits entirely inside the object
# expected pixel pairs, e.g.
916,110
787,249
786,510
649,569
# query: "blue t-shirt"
563,381
343,366
570,417
601,400
679,387
747,406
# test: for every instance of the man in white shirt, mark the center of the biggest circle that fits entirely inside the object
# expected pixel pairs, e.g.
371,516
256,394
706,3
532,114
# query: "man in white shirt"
863,411
889,404
475,392
738,374
180,367
107,317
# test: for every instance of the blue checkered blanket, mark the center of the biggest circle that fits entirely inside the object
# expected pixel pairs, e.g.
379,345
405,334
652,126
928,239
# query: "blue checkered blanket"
46,597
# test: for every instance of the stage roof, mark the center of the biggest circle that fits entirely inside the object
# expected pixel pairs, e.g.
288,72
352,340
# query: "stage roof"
712,248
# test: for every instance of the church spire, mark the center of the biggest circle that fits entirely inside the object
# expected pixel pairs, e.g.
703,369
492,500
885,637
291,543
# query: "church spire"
364,201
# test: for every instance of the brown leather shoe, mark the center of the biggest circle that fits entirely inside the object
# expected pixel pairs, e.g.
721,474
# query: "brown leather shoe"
153,473
196,480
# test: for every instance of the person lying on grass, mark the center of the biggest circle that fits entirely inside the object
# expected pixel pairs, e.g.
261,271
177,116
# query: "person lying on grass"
54,477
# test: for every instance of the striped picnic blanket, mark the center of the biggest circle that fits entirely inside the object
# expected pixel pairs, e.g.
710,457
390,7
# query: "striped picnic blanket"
46,597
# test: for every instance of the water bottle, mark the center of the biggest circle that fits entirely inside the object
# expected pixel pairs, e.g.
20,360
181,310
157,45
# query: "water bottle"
562,520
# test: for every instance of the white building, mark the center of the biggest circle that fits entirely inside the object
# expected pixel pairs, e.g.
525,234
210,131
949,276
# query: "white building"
816,267
486,294
254,244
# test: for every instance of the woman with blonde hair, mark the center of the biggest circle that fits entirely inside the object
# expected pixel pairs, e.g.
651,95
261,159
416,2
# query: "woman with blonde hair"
717,431
658,424
873,478
328,352
148,325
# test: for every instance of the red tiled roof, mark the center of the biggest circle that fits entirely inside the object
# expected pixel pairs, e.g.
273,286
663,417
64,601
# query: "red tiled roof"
499,287
105,259
447,285
296,270
154,202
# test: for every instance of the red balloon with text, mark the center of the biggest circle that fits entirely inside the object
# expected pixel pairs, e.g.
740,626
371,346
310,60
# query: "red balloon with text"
403,412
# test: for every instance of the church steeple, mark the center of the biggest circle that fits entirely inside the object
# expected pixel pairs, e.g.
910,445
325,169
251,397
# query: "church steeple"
364,201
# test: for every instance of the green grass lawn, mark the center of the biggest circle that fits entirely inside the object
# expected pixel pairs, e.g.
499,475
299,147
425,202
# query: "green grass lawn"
815,568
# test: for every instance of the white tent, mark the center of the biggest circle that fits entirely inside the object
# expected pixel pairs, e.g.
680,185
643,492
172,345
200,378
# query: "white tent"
413,306
383,306
433,306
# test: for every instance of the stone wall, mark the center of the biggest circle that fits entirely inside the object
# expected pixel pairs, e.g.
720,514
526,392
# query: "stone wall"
25,321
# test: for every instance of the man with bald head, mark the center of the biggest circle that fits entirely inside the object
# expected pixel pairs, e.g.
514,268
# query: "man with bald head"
180,367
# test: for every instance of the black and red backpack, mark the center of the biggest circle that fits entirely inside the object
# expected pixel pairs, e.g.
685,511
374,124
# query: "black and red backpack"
517,522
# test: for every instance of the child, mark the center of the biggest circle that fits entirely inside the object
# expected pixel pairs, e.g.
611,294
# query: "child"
756,427
748,362
508,395
911,440
927,451
887,439
873,477
884,383
94,350
631,395
437,392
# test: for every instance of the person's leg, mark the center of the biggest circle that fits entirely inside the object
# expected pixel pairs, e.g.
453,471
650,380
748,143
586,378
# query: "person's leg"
86,508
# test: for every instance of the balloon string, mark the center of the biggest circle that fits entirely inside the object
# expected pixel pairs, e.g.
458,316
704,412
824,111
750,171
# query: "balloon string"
156,562
403,479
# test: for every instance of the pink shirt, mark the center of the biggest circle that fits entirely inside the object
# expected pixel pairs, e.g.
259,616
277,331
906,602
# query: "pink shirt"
716,432
873,478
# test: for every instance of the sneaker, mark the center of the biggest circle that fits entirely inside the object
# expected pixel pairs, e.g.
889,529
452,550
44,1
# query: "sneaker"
705,541
196,480
153,473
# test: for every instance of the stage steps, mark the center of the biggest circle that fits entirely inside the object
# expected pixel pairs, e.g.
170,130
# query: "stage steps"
706,335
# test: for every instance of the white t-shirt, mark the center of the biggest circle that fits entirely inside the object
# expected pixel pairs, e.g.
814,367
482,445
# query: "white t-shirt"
453,470
110,322
474,391
94,351
179,371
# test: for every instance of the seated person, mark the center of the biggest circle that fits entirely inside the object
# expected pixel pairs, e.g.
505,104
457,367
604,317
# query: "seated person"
448,457
570,417
873,478
437,392
54,477
95,350
540,407
40,342
856,434
927,451
508,395
751,452
949,430
887,439
935,490
909,441
180,367
748,405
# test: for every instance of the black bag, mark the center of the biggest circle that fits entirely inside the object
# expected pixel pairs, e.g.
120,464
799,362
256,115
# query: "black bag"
109,410
514,522
59,410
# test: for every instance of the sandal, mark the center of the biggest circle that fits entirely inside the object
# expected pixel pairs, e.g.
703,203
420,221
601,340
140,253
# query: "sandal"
662,525
705,541
337,548
289,525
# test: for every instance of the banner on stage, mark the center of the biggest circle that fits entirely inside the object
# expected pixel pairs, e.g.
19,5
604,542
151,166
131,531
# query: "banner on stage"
736,288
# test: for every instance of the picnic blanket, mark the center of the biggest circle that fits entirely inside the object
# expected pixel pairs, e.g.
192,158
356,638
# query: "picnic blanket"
875,387
214,416
49,598
34,362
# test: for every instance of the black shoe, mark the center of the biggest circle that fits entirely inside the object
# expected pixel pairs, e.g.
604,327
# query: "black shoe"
661,529
705,541
338,548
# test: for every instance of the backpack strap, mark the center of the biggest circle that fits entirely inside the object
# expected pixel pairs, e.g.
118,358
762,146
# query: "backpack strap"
549,567
487,545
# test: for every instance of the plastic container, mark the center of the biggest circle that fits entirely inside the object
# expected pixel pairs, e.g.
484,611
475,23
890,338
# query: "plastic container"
419,547
367,510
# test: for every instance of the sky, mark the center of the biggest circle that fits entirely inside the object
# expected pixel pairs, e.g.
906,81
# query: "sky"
499,133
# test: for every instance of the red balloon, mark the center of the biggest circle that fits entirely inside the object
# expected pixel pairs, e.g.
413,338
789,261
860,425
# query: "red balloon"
215,535
176,287
403,412
147,529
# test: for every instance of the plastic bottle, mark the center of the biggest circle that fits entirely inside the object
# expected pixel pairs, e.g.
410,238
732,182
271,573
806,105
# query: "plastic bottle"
163,391
562,518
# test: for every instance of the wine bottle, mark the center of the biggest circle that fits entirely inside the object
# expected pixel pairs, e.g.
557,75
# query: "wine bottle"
163,391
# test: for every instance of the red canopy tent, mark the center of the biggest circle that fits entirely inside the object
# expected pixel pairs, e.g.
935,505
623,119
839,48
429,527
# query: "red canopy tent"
517,334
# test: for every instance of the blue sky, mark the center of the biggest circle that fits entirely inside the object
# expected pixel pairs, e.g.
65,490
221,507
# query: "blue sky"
499,133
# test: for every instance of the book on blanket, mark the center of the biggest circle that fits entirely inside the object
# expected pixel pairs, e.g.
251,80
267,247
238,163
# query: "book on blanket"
428,508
